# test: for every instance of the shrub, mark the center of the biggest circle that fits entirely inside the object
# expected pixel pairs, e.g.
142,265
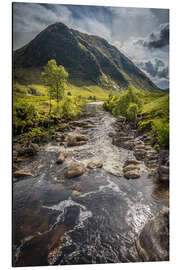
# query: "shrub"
161,130
70,107
119,105
132,112
24,116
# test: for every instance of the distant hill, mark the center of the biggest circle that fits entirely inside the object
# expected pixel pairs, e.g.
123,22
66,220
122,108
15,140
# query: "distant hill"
86,58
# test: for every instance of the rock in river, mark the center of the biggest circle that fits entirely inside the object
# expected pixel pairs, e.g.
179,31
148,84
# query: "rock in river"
75,169
153,242
94,165
21,173
130,168
131,162
76,139
133,174
61,158
163,173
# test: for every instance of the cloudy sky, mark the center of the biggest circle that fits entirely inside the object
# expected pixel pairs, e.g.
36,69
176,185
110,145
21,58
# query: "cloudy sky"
141,34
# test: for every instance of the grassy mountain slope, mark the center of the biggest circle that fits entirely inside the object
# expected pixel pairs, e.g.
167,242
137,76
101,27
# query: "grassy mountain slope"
86,58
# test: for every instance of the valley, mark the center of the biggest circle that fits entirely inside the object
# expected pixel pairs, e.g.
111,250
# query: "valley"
90,158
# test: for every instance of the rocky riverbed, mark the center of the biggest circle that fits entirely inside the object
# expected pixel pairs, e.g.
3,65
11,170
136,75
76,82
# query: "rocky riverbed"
87,195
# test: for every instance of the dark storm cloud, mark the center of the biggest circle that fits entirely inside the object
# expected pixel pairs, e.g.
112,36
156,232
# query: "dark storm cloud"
164,73
160,15
155,68
112,23
157,39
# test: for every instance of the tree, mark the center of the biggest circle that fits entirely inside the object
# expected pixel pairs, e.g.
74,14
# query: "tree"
55,77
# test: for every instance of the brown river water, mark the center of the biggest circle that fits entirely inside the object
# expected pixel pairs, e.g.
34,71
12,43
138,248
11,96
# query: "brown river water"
99,223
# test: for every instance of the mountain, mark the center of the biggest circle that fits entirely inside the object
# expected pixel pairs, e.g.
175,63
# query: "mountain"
86,58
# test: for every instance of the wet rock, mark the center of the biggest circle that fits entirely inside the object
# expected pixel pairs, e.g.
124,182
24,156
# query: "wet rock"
164,157
75,169
128,145
21,173
32,150
164,169
61,158
163,173
138,143
133,174
94,165
76,139
121,134
151,163
140,153
153,242
59,137
111,134
153,156
130,168
124,142
152,172
77,187
124,138
139,147
76,193
131,162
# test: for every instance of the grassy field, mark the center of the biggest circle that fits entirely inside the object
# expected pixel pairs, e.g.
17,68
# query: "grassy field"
31,105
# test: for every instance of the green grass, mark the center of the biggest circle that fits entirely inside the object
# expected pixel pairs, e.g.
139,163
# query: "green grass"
157,106
152,107
88,90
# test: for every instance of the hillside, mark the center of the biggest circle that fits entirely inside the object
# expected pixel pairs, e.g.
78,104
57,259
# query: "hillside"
87,58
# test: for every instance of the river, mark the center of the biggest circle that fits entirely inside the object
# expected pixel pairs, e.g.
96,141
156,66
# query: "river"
100,221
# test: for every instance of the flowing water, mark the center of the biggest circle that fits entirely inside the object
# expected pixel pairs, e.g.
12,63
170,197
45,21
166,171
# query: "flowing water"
98,223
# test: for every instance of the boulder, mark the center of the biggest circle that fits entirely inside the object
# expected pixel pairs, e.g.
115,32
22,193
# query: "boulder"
133,174
164,157
128,145
151,156
151,163
139,148
76,139
75,169
21,173
124,138
131,162
153,242
94,165
140,154
163,169
164,178
31,150
163,173
76,193
130,167
61,158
